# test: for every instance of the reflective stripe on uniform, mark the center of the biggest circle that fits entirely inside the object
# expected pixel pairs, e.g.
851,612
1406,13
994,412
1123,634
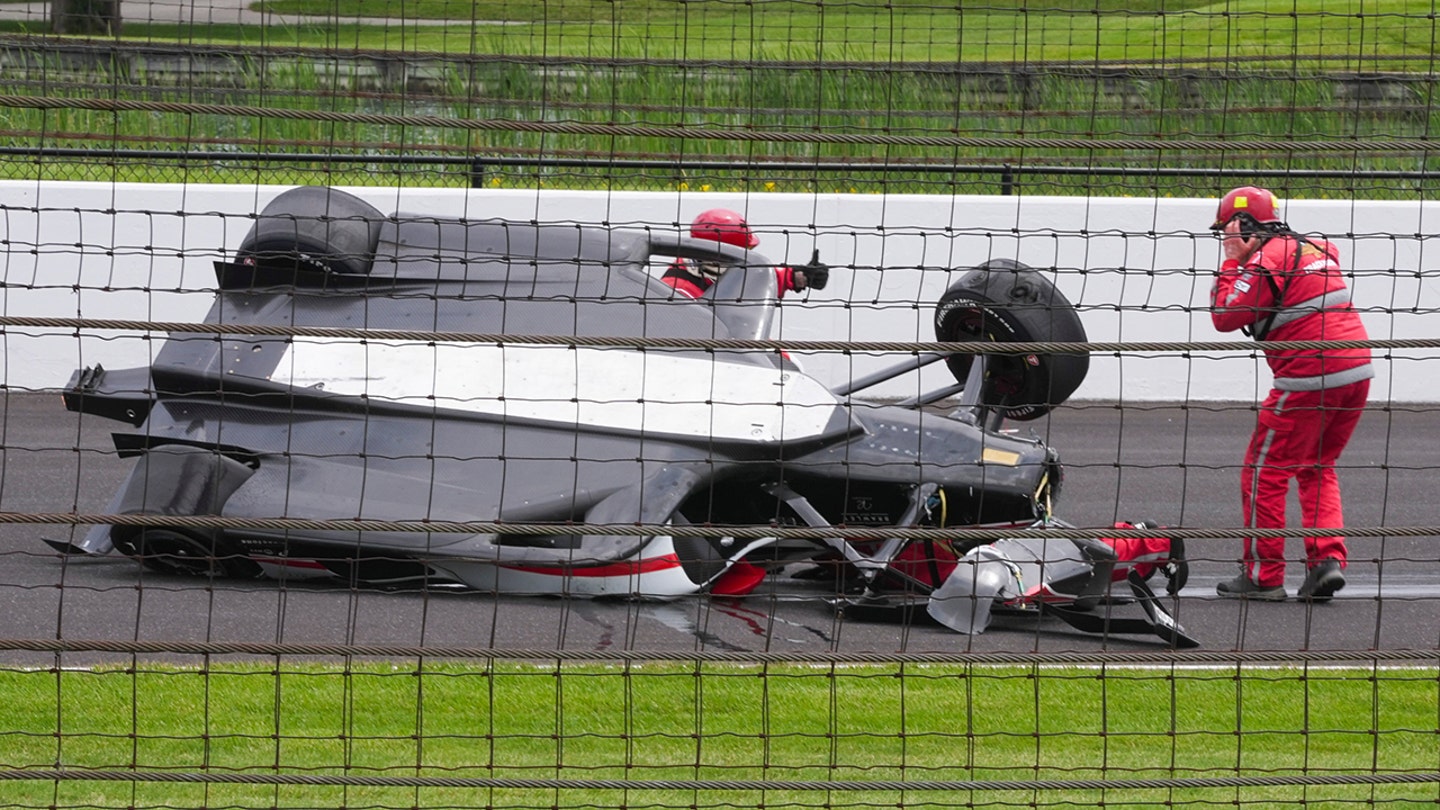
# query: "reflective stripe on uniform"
1334,298
1321,382
1253,568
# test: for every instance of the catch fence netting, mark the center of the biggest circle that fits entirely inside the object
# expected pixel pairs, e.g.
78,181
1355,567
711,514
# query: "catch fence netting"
355,454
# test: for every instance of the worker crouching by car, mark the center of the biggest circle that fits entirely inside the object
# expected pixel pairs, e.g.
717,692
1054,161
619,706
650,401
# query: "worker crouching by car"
692,278
932,563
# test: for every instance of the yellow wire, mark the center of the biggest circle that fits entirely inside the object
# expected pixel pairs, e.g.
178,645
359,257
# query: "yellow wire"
1042,493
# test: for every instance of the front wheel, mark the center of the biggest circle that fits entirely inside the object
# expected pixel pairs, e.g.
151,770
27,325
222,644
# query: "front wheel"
1005,301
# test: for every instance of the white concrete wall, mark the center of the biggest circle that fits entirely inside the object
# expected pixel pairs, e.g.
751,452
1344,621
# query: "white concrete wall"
1139,269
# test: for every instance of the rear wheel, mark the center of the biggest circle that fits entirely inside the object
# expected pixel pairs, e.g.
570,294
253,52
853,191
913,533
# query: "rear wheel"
1004,301
311,232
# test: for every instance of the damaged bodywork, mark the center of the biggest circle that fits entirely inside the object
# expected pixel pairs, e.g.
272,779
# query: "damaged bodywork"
257,426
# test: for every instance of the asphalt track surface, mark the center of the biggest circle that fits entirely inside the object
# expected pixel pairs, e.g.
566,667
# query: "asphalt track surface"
1164,462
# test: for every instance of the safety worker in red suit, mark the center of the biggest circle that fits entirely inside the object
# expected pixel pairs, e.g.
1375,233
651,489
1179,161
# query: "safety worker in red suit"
932,564
692,278
1277,285
1146,555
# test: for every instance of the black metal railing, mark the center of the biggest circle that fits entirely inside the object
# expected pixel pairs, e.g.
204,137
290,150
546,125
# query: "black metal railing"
479,170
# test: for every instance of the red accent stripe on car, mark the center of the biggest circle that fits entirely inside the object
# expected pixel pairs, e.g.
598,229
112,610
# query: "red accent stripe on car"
618,569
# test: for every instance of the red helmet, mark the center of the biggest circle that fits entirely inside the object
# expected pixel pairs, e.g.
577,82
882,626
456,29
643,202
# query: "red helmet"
1257,203
724,225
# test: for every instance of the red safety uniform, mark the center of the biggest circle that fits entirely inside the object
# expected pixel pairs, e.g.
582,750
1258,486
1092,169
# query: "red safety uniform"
932,563
694,285
1144,554
1291,289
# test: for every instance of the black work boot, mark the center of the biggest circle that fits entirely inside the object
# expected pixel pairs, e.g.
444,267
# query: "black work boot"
1242,588
1322,581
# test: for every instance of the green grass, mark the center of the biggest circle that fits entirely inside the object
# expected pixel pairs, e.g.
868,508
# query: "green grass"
906,31
1049,106
671,11
756,88
714,722
911,30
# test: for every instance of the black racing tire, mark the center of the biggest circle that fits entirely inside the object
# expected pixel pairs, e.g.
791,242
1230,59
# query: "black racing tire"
184,552
1005,301
314,231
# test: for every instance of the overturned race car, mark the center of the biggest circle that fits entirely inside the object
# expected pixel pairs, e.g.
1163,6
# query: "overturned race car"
257,424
